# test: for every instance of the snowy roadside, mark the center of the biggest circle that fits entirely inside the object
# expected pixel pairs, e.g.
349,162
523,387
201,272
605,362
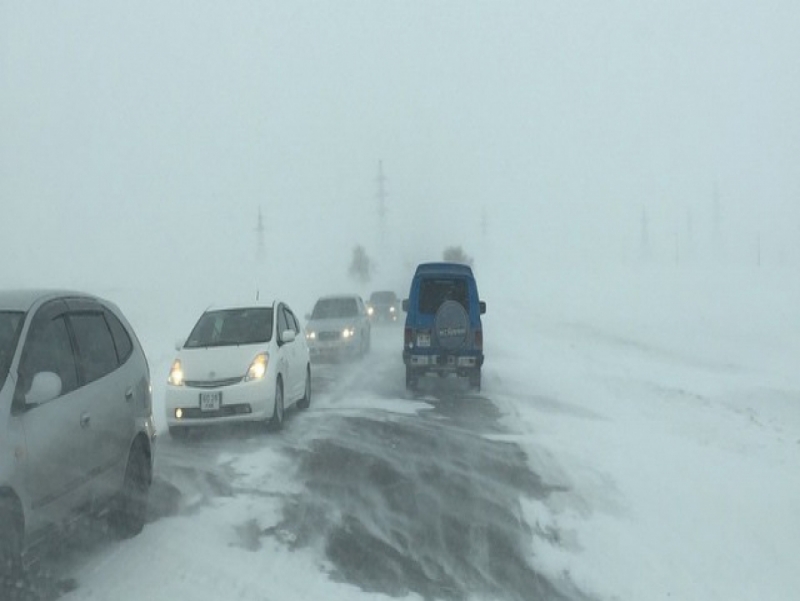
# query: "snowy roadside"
675,430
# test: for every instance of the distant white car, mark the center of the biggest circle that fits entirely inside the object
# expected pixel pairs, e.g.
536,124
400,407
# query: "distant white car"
338,327
239,364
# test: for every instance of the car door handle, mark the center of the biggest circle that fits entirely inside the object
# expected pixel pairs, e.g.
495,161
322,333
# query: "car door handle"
129,395
85,419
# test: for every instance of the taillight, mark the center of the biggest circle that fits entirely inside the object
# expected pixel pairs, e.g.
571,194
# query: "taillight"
478,338
409,336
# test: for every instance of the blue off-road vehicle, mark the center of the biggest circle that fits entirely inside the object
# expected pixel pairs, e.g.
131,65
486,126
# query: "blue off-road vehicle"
443,333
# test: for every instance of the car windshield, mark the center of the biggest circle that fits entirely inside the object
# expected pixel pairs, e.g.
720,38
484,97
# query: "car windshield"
232,327
10,325
383,298
333,308
434,292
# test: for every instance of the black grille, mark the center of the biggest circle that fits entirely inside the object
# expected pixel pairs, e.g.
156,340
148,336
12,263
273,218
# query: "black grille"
212,383
324,336
224,411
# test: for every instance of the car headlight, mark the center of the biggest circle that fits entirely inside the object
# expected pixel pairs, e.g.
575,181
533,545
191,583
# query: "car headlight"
370,310
348,332
258,368
391,309
175,374
311,335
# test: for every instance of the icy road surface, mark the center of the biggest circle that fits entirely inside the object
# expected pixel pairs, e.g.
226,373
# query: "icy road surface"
371,491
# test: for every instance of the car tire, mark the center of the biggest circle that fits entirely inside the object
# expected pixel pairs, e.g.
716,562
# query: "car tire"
10,543
129,512
276,421
305,402
412,379
475,380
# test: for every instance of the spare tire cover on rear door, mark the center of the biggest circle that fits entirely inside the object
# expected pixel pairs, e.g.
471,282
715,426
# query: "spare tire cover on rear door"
451,325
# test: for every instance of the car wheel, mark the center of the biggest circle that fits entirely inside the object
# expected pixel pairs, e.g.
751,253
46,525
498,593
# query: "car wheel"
412,379
276,422
10,543
179,432
127,517
306,400
475,380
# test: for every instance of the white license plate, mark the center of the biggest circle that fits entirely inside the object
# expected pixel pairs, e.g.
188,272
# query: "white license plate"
210,401
424,340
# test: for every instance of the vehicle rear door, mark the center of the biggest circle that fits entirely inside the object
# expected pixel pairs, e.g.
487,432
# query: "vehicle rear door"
109,390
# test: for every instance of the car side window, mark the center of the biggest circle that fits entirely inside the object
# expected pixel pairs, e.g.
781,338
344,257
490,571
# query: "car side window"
293,323
49,349
283,324
97,355
122,341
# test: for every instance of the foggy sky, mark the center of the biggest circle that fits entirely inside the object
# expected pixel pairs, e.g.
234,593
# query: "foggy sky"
138,140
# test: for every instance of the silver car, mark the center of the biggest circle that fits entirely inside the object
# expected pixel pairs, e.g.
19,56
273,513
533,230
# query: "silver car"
338,327
76,422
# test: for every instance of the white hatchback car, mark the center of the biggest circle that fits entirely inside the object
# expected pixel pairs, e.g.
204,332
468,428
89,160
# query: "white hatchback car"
239,364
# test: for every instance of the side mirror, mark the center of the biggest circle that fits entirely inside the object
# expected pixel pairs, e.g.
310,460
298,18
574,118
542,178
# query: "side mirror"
288,336
46,386
405,305
178,344
482,305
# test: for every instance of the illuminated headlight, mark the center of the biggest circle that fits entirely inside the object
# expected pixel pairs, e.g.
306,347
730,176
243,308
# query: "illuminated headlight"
370,310
391,309
175,374
311,335
258,368
348,333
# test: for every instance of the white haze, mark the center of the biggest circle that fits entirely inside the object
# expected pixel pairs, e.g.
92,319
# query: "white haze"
138,141
626,175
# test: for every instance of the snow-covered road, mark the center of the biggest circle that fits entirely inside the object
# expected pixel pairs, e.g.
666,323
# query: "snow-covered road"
605,459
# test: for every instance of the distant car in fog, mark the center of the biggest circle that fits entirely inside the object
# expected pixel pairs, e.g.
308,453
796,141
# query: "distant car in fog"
76,422
443,330
338,327
239,364
383,306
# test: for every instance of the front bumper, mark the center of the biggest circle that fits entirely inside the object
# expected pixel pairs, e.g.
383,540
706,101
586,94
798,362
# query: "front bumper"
333,349
241,402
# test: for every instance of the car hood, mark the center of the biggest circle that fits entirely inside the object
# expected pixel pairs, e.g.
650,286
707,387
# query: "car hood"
325,325
218,362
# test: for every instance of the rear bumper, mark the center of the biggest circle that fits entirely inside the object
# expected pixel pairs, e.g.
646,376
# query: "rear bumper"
443,362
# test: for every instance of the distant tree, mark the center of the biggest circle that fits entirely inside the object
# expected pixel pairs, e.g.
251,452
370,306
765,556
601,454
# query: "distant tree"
360,265
456,254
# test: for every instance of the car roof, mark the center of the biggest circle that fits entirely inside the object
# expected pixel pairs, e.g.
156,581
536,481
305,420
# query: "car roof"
24,299
259,304
338,296
444,268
